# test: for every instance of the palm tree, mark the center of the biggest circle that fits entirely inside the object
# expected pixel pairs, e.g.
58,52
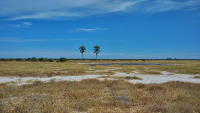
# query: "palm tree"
96,50
82,49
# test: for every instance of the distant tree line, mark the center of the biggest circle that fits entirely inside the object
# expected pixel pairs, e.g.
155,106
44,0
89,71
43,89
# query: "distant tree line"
62,59
34,59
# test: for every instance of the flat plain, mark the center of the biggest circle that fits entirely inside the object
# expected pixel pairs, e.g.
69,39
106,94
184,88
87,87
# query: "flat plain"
111,90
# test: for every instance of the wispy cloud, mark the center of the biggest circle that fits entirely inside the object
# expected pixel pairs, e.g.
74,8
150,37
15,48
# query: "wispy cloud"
87,29
68,39
54,15
19,25
83,29
26,23
14,25
4,39
62,9
170,5
19,40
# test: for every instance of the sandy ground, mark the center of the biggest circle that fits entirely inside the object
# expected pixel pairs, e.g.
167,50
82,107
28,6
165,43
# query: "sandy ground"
165,77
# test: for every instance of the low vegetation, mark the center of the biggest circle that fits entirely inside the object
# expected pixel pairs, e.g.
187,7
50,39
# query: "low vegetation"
198,77
91,95
71,67
122,77
150,72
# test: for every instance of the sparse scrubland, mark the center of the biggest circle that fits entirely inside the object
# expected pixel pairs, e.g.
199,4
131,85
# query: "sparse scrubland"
122,77
71,67
92,95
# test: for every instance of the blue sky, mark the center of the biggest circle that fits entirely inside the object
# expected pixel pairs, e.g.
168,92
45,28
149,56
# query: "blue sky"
124,29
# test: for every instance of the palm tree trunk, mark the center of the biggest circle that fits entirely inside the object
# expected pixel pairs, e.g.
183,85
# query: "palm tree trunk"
82,56
96,56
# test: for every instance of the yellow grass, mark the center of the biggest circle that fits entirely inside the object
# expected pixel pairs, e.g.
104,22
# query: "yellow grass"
96,96
122,77
92,95
71,67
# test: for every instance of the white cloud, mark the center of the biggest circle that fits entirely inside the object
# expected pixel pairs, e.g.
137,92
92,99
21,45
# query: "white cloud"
46,15
169,5
14,25
4,39
68,39
62,9
19,40
26,23
83,29
21,24
88,29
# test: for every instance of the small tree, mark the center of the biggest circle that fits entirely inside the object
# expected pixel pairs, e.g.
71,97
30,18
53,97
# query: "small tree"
62,59
18,59
82,50
29,59
41,59
34,59
96,50
50,60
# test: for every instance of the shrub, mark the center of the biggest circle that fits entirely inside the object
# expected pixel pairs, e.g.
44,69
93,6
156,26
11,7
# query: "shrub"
29,59
62,59
1,96
134,77
34,59
46,60
41,59
92,59
57,61
18,59
198,77
5,59
50,60
37,82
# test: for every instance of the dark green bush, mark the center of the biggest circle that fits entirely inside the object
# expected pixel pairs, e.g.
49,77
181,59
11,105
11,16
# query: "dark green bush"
50,60
29,59
46,60
5,59
18,59
34,59
41,59
62,59
1,96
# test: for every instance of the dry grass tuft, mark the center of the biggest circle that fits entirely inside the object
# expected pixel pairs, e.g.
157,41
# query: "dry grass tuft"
151,72
156,108
123,77
133,78
198,77
71,67
122,100
140,85
92,95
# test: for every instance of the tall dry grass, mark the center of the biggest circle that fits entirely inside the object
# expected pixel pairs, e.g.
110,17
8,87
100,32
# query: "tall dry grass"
91,95
71,67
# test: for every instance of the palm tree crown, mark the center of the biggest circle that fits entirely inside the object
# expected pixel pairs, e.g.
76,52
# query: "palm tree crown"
96,50
82,50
